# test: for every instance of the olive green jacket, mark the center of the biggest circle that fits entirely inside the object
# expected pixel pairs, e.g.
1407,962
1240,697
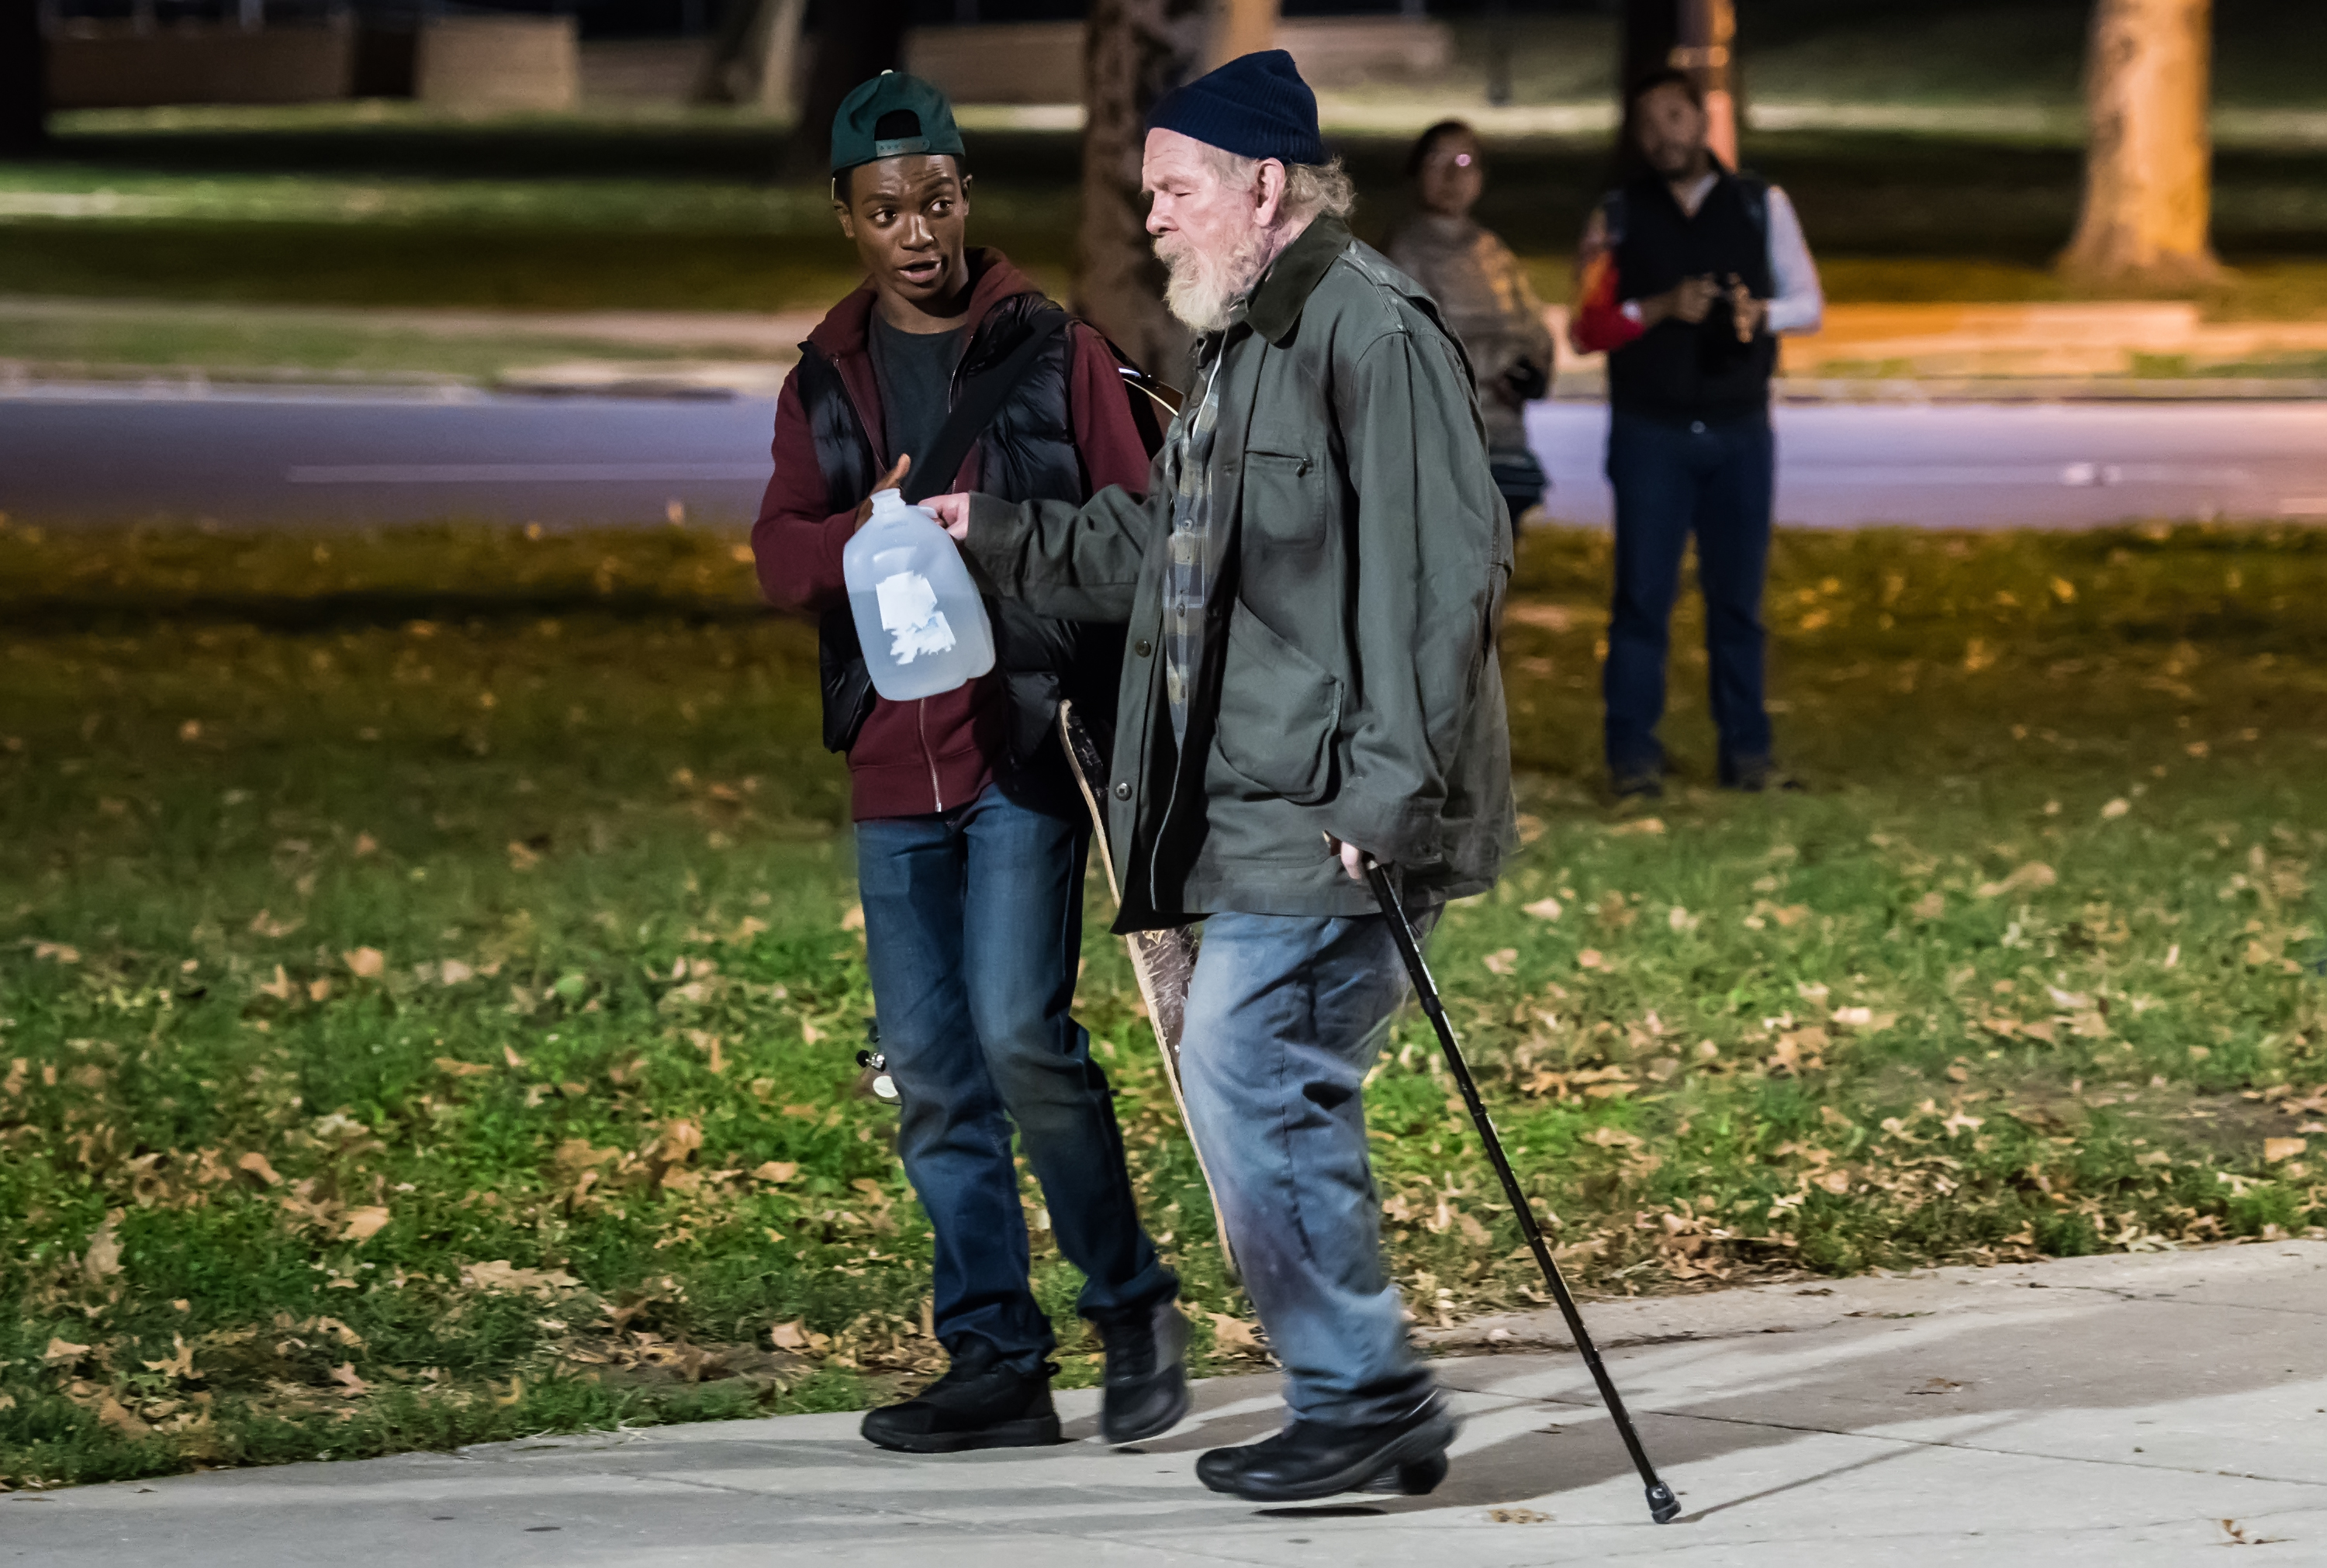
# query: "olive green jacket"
1348,683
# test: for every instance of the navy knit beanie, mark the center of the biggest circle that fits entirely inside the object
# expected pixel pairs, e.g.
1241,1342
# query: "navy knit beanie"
1255,106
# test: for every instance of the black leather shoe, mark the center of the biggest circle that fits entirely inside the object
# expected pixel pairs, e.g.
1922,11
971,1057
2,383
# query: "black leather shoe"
1145,1387
1637,785
979,1403
1310,1460
1757,775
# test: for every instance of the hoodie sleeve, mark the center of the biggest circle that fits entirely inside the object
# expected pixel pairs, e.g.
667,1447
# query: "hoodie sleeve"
796,543
1099,403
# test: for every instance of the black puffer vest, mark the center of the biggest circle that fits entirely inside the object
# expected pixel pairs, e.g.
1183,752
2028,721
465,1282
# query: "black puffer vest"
1676,372
1026,453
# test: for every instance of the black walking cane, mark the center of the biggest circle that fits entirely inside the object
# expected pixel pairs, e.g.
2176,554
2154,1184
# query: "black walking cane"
1662,1505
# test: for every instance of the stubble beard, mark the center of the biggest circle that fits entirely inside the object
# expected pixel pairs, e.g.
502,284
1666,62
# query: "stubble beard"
1203,285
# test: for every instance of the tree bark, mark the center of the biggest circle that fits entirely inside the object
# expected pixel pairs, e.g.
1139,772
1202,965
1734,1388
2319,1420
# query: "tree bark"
1697,36
23,80
1241,27
855,40
754,59
2148,157
1133,52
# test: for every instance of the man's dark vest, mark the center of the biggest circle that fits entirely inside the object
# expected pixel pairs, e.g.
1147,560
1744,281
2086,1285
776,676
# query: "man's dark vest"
1027,453
1675,371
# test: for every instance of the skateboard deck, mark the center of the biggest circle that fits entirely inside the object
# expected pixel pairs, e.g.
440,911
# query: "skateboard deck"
1164,961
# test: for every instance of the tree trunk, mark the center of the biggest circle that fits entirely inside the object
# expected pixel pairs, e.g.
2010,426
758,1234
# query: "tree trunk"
1133,52
1697,36
1241,27
23,85
857,40
2148,175
755,59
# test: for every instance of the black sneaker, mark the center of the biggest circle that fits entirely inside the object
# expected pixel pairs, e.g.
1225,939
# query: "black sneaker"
1758,775
1146,1389
1644,785
979,1403
1310,1460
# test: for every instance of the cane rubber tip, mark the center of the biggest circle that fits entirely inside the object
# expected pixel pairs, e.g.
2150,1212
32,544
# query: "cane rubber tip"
1663,1507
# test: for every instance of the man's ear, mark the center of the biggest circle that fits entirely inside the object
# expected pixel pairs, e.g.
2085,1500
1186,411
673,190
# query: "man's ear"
840,210
1268,193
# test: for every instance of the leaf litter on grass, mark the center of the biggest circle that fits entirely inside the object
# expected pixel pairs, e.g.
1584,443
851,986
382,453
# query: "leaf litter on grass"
575,1140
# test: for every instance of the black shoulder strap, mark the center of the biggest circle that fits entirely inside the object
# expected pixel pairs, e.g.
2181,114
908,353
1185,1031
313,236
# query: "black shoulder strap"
981,400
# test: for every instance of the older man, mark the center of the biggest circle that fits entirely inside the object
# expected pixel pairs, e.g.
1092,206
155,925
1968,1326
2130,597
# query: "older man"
1311,588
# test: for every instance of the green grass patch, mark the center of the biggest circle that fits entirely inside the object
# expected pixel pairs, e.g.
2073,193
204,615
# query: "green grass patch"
428,992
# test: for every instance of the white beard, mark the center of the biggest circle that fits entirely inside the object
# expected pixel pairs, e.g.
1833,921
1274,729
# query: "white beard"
1203,286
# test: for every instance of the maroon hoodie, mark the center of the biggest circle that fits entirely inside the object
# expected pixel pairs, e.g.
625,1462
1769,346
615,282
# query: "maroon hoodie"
915,758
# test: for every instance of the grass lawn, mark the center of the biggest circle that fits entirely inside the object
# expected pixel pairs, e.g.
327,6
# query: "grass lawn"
297,208
429,990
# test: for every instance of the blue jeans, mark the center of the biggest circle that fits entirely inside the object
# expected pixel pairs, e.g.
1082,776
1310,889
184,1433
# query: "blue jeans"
1672,480
1285,1017
973,930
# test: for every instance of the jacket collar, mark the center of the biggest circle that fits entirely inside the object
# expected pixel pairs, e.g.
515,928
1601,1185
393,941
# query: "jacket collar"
1285,288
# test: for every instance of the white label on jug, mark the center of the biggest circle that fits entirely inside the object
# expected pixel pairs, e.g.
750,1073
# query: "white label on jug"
911,616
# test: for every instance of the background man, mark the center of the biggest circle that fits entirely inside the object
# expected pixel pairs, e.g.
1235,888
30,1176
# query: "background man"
1311,588
1689,273
970,834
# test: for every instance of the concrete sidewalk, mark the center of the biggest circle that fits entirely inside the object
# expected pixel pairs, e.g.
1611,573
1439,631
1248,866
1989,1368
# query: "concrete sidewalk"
2114,1410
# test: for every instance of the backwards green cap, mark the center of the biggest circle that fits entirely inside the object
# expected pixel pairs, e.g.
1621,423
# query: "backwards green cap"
890,117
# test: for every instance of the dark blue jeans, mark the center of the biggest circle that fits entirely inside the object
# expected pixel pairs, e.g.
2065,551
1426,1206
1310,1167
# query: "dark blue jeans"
1672,480
972,932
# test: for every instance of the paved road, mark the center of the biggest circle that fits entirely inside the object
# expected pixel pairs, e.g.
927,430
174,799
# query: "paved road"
2133,1411
92,454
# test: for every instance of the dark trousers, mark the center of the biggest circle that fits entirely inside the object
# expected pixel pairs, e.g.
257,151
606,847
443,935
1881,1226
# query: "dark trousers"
1672,480
972,932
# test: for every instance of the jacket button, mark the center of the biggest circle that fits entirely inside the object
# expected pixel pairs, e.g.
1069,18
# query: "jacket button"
1123,791
1142,647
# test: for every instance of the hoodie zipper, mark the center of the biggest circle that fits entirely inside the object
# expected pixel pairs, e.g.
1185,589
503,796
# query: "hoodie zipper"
921,724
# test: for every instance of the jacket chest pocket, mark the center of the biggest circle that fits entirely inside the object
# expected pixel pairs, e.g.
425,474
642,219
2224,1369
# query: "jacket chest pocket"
1283,502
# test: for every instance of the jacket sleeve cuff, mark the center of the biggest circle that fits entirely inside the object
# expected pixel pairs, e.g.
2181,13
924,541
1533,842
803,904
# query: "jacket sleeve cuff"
995,550
1398,831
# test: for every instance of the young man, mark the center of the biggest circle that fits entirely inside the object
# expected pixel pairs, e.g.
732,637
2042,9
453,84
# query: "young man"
1311,586
970,835
1689,275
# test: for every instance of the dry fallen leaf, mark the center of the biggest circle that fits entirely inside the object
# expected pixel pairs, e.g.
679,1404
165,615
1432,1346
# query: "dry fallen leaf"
459,1068
1543,909
2028,878
256,1164
1233,1333
777,1172
179,1363
344,1374
63,1352
365,845
1613,1137
1517,1516
363,1224
1503,962
103,1259
2274,1150
2116,808
500,1274
61,952
1930,906
365,963
854,920
1647,826
1591,958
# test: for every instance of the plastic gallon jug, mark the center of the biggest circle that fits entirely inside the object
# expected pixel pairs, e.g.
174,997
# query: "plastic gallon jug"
917,614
